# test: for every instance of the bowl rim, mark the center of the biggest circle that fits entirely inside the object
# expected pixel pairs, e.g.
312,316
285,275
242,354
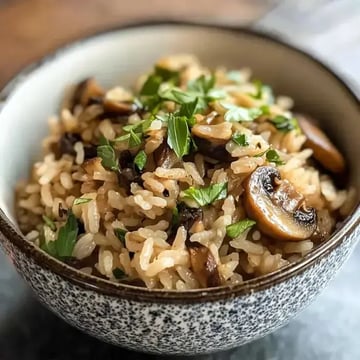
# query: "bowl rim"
130,292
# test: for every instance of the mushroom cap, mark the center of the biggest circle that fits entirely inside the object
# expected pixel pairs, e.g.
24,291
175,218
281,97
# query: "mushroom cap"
279,210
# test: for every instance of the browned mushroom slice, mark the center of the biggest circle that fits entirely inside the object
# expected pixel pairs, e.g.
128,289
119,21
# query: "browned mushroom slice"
120,107
214,150
324,150
84,91
204,266
164,156
279,210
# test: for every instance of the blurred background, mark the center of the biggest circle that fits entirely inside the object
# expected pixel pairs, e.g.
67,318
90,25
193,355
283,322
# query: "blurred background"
329,328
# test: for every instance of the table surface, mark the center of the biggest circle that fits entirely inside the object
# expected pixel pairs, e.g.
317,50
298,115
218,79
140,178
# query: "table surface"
330,327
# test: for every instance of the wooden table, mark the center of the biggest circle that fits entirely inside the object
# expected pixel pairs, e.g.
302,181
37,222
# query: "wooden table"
31,28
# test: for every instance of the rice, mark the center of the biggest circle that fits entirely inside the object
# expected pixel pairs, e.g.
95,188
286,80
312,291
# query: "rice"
165,200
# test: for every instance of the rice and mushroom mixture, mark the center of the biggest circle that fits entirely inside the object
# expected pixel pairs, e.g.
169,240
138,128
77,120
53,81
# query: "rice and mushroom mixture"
193,179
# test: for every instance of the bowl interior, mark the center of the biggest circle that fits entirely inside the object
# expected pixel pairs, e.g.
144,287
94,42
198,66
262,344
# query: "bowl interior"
119,56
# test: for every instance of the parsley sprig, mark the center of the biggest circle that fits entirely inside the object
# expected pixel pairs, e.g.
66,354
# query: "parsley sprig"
63,246
207,195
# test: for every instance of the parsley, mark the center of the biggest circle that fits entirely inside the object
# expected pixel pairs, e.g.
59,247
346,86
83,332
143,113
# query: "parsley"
106,152
151,86
67,237
166,74
284,123
63,246
203,89
202,84
120,233
188,109
263,91
234,230
236,76
135,139
206,196
118,273
80,201
178,137
240,139
177,95
50,223
175,219
236,113
273,156
265,109
140,159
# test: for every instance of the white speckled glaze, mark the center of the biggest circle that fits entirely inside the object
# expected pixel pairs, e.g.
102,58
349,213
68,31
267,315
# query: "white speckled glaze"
157,321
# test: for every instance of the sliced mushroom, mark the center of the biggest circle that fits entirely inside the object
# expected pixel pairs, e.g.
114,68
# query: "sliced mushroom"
324,150
66,146
187,215
164,156
120,107
128,172
84,91
279,210
214,150
204,266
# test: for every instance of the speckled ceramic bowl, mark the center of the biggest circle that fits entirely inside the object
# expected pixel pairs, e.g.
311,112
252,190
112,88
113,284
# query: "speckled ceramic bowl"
157,321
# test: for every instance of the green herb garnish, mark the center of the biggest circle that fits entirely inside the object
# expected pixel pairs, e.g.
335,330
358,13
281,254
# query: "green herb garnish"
50,223
166,74
285,124
151,86
273,156
263,91
188,109
265,109
67,236
63,246
107,153
234,230
118,273
120,233
236,76
240,139
80,201
175,220
140,159
206,196
236,113
178,137
177,95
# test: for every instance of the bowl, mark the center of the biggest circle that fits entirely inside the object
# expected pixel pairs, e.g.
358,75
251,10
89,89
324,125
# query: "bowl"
158,321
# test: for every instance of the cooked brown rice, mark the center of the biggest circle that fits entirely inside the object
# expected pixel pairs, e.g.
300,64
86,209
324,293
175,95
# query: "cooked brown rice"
122,164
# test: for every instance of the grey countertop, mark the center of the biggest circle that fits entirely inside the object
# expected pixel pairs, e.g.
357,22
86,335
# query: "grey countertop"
328,329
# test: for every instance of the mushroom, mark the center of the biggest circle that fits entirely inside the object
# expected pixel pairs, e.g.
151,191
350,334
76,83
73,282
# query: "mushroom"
164,156
128,172
279,210
204,265
120,107
215,150
187,215
66,146
324,150
84,91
